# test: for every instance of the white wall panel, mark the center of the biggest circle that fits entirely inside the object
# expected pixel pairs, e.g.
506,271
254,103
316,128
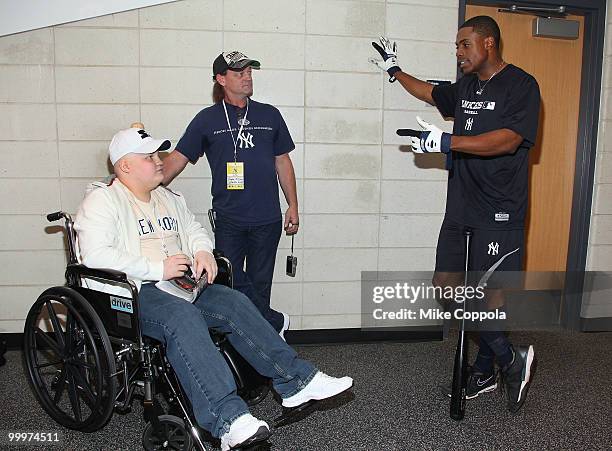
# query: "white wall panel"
366,201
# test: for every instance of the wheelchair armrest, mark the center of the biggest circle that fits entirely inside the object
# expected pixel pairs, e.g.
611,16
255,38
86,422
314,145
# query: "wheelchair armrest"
99,273
225,274
222,261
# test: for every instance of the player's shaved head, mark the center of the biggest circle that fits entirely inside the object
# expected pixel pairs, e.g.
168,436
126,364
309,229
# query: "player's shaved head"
484,26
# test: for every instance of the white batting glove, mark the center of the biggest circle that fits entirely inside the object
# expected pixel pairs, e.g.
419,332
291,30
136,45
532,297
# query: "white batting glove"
387,50
432,139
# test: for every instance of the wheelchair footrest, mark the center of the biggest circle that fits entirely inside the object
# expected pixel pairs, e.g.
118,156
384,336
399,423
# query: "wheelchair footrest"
258,442
293,414
123,410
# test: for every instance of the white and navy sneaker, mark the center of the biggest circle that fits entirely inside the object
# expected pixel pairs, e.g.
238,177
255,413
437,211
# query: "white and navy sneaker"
246,430
286,324
320,387
517,376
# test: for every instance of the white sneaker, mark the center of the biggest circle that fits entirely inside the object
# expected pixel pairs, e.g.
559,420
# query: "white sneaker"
286,324
245,430
320,387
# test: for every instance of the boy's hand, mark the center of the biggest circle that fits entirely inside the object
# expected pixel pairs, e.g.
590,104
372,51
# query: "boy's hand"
205,261
176,266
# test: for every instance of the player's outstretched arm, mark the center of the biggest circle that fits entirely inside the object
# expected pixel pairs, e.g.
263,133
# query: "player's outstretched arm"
418,88
496,142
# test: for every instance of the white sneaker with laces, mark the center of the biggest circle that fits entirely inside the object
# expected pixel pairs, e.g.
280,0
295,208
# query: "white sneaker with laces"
320,387
286,324
245,430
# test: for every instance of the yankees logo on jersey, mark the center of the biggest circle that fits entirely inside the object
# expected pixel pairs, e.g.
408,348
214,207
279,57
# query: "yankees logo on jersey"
468,123
493,248
246,140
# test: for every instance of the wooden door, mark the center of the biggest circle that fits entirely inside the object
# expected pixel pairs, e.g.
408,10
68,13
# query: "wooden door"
556,65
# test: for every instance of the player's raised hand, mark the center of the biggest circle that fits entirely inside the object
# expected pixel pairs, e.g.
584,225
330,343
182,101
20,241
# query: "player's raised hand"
387,51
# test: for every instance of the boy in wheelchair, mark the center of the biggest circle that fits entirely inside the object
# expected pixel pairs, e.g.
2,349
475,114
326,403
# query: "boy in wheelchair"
136,226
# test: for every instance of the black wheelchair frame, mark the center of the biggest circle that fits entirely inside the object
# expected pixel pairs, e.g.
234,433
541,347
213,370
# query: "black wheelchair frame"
92,359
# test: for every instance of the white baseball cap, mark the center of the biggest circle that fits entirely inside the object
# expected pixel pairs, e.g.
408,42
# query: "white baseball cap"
134,140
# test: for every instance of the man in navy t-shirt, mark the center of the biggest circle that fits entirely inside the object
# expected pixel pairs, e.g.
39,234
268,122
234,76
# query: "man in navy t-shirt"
495,107
247,145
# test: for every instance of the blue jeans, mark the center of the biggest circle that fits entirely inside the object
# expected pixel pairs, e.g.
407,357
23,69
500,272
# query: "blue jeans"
201,369
258,244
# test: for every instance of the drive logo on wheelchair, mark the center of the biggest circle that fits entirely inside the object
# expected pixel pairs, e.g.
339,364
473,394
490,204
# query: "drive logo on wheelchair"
121,304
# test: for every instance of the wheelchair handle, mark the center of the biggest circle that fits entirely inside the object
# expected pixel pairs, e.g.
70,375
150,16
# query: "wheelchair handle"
56,216
72,253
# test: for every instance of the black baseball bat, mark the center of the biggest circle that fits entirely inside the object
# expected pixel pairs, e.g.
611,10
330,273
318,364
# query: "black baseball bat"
408,132
457,403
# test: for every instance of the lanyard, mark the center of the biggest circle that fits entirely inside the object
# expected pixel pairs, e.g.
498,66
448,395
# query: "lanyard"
229,126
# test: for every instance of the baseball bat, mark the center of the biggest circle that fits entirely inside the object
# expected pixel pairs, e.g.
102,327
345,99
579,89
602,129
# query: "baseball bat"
457,403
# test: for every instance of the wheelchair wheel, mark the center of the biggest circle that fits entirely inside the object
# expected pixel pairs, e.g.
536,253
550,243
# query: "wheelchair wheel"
172,434
70,363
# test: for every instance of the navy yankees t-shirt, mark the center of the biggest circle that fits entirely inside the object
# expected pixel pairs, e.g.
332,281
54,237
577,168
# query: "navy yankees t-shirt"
490,192
264,136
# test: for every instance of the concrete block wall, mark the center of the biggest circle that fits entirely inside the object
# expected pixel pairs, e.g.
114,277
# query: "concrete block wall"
599,303
366,203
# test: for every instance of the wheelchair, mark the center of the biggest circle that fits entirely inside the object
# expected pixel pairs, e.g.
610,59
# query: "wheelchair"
85,357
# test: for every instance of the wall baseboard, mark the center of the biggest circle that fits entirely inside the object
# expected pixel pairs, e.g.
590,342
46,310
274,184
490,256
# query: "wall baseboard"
317,336
13,340
357,335
596,324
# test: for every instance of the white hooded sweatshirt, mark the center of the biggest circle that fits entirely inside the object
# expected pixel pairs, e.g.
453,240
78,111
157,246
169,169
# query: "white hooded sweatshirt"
108,236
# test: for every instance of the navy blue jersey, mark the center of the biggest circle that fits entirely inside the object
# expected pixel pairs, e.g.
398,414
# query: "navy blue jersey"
490,192
264,137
